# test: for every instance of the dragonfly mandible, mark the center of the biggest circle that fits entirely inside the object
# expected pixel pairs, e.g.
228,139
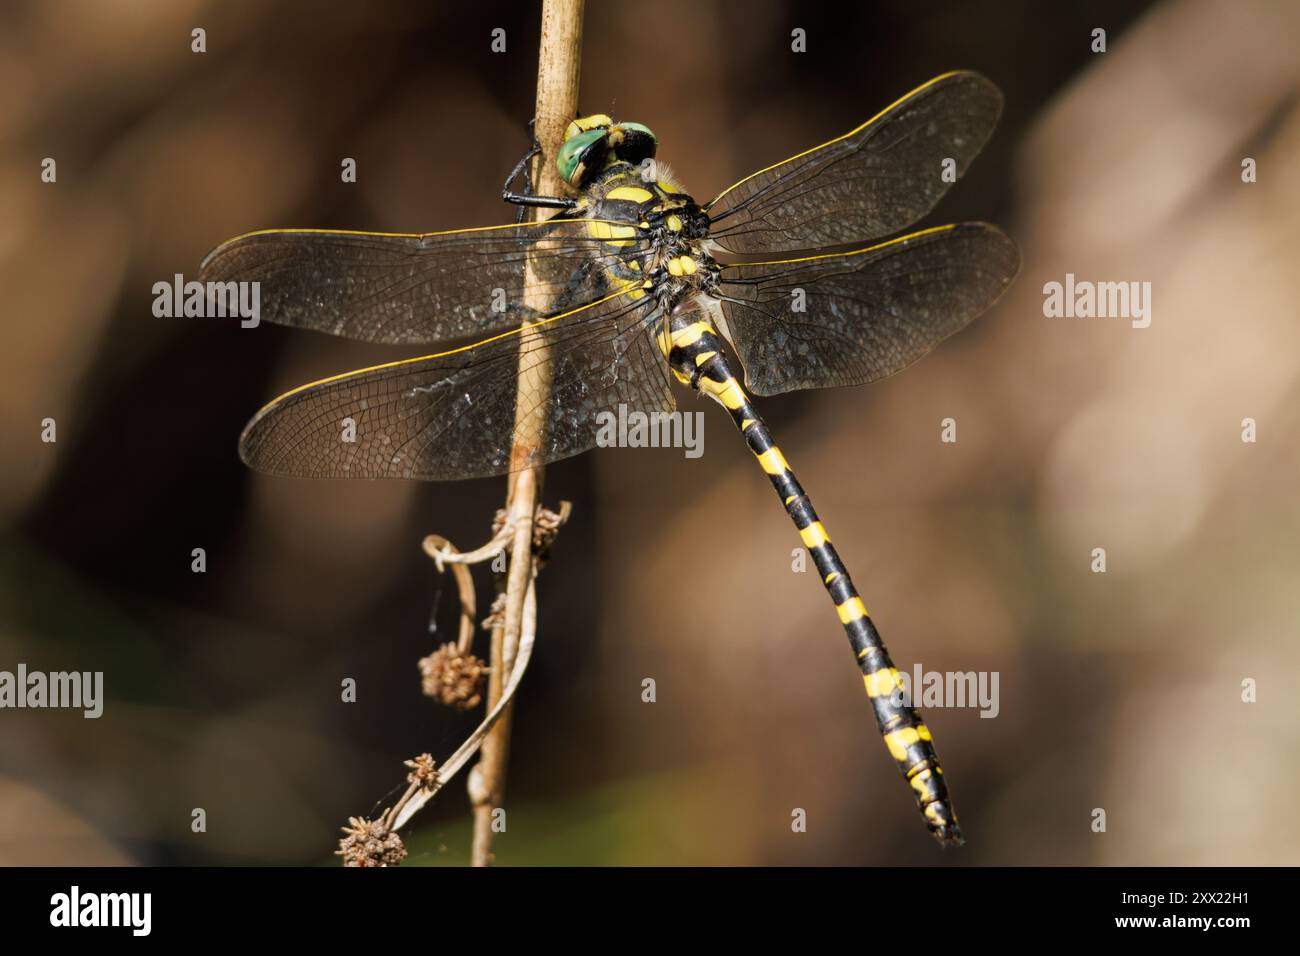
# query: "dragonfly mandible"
637,298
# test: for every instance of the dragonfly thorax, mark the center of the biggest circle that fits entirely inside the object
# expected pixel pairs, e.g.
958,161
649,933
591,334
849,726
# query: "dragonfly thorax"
654,233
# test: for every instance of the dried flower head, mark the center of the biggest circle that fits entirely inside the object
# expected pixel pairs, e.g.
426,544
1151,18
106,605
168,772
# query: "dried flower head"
370,843
453,677
546,528
424,772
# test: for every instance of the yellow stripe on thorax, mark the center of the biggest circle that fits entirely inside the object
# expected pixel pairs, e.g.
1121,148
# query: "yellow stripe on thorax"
631,193
600,229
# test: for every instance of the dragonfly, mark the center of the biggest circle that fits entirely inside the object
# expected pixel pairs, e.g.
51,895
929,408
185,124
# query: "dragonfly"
793,267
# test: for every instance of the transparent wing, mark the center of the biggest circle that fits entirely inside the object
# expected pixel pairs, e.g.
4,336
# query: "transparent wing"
873,181
410,289
865,314
452,415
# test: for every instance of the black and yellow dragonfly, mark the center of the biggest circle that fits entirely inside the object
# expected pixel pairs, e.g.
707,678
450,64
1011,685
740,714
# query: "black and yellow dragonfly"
636,298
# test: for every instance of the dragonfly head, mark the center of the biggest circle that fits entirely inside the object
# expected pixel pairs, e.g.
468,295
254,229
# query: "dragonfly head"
593,142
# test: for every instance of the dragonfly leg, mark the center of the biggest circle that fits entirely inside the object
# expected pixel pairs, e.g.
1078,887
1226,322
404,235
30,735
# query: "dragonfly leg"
696,357
526,198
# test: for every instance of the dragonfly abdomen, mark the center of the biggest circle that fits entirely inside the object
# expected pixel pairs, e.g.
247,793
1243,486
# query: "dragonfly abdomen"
695,354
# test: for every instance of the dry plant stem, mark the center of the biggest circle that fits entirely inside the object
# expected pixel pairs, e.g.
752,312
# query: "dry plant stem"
444,554
558,62
416,797
443,551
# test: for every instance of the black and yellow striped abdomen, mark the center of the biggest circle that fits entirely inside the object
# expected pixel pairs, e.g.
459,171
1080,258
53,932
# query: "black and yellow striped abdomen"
695,355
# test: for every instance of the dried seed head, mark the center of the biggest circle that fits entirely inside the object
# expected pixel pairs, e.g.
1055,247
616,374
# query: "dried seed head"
453,678
370,843
424,771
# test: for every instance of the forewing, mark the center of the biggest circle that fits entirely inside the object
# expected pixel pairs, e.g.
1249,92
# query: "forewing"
873,181
409,289
453,415
865,314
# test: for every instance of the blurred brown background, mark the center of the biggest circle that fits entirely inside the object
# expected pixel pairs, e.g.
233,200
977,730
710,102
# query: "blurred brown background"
1120,691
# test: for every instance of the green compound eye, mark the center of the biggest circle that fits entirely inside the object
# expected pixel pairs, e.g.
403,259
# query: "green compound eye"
575,157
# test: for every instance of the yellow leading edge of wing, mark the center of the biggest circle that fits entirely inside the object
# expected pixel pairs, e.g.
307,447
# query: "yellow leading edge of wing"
853,132
420,358
393,235
852,252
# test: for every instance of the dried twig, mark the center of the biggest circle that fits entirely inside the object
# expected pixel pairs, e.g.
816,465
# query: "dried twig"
443,553
420,791
557,104
452,675
525,532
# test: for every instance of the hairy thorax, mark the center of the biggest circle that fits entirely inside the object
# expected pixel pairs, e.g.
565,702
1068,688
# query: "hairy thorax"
658,246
